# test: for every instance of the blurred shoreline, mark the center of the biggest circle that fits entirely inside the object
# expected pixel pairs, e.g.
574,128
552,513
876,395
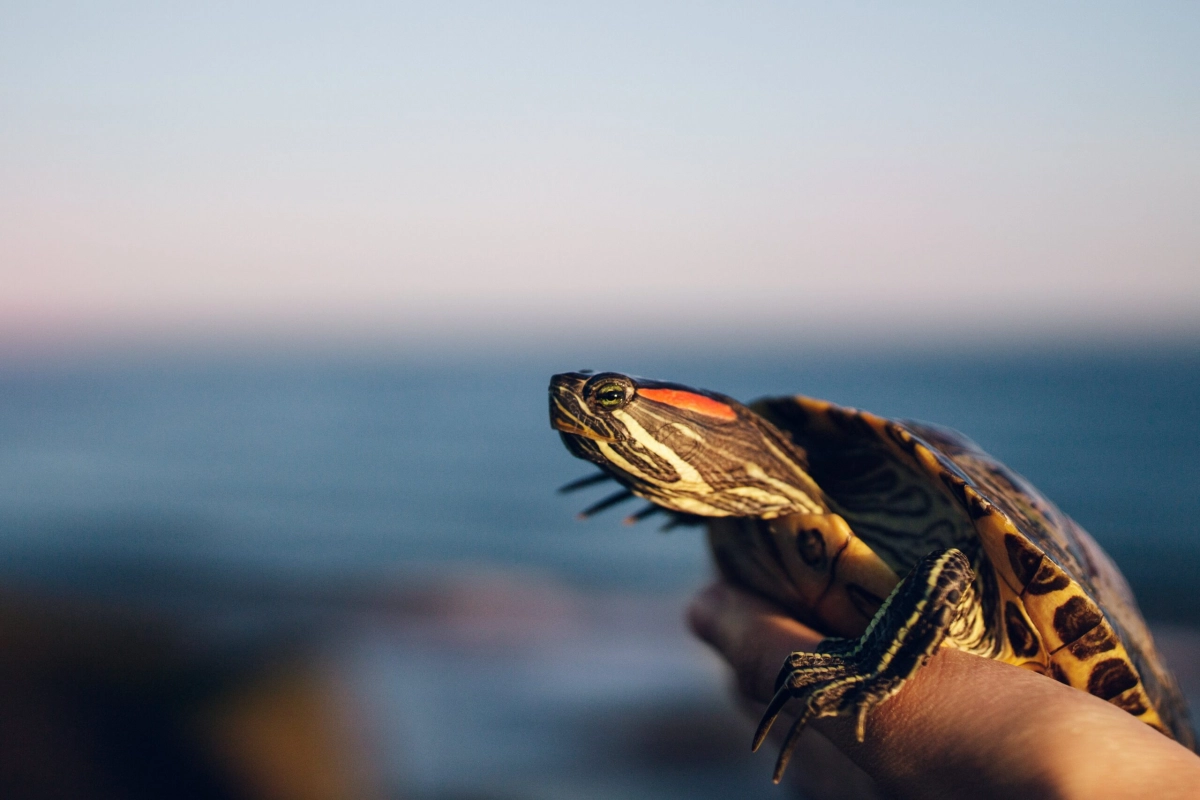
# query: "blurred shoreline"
480,683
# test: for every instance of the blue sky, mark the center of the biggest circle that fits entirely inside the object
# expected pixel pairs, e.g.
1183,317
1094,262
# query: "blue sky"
478,169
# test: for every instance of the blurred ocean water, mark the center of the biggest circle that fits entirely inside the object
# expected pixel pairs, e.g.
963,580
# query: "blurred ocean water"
350,468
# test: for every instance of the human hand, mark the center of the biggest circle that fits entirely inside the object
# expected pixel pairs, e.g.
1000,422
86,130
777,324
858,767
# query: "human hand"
964,725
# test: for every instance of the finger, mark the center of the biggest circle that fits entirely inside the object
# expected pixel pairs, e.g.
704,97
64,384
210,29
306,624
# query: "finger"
750,633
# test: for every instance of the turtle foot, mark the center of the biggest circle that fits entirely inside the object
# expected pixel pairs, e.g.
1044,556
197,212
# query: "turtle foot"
852,676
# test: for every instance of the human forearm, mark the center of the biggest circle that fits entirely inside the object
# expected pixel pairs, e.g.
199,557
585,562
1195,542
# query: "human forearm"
964,725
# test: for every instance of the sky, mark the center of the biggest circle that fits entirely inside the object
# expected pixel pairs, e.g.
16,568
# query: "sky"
484,171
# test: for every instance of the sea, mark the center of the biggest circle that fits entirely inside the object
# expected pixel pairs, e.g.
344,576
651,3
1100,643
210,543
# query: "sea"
492,644
325,468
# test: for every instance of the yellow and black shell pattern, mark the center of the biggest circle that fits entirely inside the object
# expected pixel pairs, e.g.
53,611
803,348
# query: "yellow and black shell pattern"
1051,600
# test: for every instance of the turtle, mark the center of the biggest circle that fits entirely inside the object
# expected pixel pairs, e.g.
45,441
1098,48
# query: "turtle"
893,538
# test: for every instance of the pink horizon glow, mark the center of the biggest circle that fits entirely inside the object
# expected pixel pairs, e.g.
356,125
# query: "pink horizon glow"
490,173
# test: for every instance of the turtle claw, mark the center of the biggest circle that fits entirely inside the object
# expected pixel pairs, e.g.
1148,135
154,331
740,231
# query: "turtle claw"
681,520
649,511
860,726
782,696
584,482
607,502
820,681
789,744
852,676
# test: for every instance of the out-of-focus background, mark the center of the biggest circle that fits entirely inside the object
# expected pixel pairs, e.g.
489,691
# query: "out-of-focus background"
281,288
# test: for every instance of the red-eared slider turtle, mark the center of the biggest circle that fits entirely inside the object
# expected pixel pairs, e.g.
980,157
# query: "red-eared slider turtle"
893,538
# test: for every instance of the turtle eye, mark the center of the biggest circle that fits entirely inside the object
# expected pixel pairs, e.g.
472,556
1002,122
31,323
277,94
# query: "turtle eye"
611,395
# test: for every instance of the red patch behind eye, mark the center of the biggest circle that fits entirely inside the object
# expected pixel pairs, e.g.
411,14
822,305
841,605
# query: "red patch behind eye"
690,401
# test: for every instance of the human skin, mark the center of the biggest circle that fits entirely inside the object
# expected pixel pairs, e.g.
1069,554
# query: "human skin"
964,726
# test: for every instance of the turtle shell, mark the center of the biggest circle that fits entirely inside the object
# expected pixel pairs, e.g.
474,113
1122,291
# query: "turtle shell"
1050,599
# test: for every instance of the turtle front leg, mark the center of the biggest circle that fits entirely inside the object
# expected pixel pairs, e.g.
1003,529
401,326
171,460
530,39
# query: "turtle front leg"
852,676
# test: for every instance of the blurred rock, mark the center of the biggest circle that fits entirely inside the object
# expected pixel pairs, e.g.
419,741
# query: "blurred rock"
103,701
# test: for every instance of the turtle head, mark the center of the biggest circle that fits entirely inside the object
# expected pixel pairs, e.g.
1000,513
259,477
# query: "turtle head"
688,450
